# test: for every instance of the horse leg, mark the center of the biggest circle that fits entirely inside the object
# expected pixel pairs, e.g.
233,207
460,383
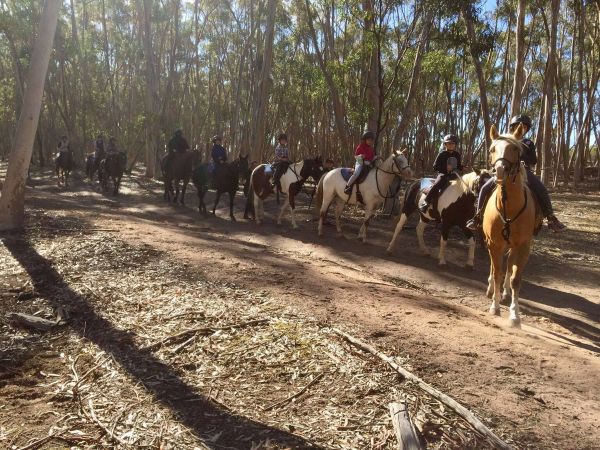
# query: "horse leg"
294,225
443,244
286,203
420,232
231,196
471,255
368,216
339,208
516,264
257,209
506,292
217,197
496,277
397,230
183,189
324,207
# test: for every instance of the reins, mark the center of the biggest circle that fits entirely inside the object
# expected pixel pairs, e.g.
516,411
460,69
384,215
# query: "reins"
377,169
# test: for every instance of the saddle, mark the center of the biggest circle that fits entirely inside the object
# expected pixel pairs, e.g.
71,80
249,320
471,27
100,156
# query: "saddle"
348,171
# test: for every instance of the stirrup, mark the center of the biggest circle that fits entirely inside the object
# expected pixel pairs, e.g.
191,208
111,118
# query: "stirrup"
423,207
348,189
554,224
473,224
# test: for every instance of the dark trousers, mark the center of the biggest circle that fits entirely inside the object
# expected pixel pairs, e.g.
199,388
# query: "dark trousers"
534,183
441,182
280,168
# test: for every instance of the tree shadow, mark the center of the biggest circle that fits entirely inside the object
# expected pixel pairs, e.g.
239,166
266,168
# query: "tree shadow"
200,414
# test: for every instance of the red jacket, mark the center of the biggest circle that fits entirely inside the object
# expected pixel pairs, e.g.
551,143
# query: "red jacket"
366,151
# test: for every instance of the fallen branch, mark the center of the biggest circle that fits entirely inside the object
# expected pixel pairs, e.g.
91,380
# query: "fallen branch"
297,394
404,428
29,321
448,401
38,442
104,428
201,330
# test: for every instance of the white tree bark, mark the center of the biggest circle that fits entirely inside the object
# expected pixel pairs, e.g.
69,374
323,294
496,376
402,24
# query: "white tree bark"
12,200
519,80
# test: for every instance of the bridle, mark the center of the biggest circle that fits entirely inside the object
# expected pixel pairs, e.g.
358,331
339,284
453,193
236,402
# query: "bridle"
392,172
512,169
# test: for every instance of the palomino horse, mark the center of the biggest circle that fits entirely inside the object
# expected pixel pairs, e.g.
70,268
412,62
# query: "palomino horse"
291,184
374,190
63,164
226,178
113,166
179,171
510,220
455,206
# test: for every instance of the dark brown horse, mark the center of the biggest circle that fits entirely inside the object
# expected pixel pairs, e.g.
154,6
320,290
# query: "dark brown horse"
178,170
226,178
92,164
113,166
63,164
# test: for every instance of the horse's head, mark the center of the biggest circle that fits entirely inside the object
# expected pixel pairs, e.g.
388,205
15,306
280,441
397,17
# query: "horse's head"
401,166
243,163
312,168
505,152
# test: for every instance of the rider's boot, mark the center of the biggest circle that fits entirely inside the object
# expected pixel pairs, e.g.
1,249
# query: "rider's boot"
554,224
348,189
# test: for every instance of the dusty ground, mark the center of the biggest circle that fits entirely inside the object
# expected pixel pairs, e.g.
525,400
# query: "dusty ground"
536,387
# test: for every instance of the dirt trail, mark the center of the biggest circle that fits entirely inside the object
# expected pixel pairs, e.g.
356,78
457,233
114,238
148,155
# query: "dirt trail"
539,384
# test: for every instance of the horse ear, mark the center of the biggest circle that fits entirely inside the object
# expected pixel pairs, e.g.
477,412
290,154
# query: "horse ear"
477,171
494,133
519,132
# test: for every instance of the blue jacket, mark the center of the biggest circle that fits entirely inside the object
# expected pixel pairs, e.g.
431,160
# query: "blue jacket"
218,152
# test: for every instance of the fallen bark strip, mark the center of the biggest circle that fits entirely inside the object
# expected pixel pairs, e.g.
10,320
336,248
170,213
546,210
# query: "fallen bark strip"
202,330
29,321
297,394
38,442
445,399
404,428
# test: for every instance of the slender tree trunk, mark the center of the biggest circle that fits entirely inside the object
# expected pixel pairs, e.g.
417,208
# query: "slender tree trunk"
12,200
260,116
546,166
519,79
152,108
485,110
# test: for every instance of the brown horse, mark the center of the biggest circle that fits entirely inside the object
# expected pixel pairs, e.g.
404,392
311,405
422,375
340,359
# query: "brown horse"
112,167
179,170
510,221
63,164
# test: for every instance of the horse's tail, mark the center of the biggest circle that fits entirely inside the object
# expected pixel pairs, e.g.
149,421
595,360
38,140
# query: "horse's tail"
319,200
409,205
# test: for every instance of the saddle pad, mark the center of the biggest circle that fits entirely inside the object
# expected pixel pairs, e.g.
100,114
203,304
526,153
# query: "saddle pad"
347,173
426,184
268,169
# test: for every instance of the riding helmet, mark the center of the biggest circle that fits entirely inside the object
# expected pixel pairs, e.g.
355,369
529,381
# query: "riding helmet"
216,138
520,118
368,135
178,132
282,136
450,138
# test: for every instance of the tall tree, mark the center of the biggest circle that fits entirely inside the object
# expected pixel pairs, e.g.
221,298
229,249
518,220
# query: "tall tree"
12,200
519,78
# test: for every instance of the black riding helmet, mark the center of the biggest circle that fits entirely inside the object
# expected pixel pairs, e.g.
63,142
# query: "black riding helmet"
178,132
368,135
450,138
216,138
282,136
520,118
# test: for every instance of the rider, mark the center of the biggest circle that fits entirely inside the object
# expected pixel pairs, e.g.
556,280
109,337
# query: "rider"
112,148
177,144
529,160
364,154
447,163
63,144
218,152
99,147
282,159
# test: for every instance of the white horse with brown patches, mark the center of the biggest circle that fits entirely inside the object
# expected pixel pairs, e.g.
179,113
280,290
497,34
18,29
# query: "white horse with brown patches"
454,207
374,189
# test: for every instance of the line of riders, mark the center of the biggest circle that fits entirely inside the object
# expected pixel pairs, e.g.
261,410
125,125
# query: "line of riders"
447,164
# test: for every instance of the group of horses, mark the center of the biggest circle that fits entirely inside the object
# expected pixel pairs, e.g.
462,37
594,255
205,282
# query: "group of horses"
109,166
510,218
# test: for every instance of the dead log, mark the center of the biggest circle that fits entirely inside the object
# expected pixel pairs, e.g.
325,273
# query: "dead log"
404,428
29,321
446,400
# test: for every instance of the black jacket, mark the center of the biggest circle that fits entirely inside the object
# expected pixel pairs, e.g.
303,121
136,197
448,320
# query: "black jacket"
440,162
528,155
179,144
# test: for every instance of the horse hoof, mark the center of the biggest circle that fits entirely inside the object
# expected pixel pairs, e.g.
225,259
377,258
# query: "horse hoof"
469,267
389,250
294,226
442,264
494,311
279,222
233,219
515,322
506,298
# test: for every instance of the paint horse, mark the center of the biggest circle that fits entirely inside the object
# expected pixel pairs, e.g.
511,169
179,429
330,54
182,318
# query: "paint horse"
63,165
454,207
510,220
291,184
374,189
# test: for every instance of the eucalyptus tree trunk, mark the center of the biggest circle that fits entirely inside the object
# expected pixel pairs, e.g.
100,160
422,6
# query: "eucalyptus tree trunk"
262,99
152,105
485,110
372,44
519,78
546,166
12,200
